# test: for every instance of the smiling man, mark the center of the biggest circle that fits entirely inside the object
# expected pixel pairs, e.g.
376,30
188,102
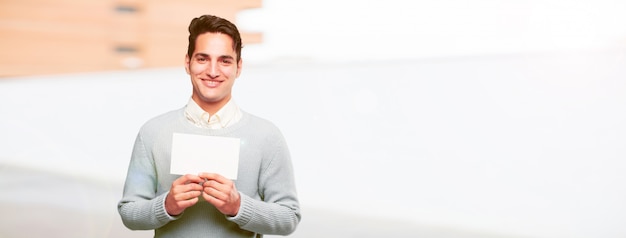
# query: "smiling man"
261,200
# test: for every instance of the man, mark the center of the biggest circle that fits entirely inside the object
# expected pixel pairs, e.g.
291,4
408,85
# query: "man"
262,199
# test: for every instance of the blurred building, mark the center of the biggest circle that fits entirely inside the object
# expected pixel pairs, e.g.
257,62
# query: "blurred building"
67,36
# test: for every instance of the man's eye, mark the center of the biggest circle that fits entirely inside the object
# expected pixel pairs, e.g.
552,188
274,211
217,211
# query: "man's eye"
227,61
202,59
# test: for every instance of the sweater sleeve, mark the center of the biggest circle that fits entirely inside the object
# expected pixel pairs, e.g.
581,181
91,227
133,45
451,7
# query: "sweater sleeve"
140,207
279,211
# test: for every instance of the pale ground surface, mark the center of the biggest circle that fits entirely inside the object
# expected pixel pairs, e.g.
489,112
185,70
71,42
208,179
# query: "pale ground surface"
92,214
514,146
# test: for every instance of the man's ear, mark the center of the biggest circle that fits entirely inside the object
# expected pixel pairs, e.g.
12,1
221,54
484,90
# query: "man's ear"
239,64
187,60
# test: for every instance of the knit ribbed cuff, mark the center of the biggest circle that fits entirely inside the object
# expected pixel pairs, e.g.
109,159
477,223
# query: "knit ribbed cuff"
246,211
160,212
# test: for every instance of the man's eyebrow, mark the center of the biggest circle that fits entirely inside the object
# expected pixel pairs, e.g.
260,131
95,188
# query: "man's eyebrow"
226,57
205,55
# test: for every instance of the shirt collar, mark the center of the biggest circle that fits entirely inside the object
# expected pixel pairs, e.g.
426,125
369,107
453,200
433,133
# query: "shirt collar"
228,115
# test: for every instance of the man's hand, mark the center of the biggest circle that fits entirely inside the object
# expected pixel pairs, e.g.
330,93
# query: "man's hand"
184,193
221,192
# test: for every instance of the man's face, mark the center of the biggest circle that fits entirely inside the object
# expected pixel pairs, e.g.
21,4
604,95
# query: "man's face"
213,69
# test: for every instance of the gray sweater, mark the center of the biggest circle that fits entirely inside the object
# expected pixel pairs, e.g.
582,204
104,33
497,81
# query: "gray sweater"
269,204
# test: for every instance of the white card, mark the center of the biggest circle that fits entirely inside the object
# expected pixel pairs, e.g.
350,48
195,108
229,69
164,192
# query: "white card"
194,154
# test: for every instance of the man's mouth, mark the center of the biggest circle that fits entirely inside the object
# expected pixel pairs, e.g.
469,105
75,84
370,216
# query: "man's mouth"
211,83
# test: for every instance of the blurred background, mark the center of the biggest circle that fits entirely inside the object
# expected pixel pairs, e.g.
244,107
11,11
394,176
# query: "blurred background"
404,118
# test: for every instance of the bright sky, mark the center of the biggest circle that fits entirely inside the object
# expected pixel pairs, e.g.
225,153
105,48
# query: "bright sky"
346,30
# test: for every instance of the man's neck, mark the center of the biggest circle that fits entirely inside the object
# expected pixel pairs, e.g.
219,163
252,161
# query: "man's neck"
209,107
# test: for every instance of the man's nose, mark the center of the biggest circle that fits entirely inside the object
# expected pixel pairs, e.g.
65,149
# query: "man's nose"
213,70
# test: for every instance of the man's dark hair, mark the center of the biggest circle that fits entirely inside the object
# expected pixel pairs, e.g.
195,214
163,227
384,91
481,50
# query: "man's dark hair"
213,24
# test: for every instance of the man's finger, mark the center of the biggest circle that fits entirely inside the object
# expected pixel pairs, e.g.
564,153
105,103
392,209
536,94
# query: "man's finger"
187,203
213,176
187,178
187,196
213,192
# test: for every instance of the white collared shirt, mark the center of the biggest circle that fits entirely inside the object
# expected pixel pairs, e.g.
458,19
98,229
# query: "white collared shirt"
228,115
